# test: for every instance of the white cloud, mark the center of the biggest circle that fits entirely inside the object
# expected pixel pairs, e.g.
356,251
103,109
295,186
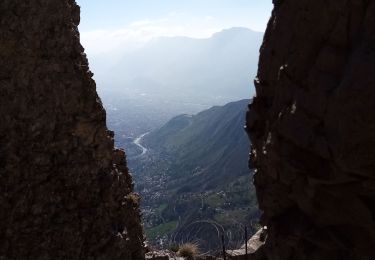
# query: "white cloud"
138,33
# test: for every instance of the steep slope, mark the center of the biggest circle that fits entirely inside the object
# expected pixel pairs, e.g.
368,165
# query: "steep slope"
312,129
65,193
213,141
201,184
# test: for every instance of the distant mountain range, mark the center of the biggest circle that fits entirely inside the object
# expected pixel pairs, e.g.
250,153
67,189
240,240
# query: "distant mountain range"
169,76
219,67
195,177
212,71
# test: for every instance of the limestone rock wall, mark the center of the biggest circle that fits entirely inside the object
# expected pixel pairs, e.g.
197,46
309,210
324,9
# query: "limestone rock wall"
312,126
65,193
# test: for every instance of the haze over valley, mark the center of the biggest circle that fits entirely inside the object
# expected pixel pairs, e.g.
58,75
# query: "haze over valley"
168,76
154,97
168,105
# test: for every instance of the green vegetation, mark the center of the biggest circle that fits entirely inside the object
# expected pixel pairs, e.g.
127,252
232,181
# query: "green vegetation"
162,207
174,248
228,216
204,184
214,200
160,230
205,150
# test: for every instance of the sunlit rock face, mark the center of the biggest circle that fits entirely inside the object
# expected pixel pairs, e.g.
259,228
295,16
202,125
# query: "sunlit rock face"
65,193
312,126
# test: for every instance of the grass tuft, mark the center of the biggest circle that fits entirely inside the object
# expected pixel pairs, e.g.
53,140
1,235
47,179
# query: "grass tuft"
188,250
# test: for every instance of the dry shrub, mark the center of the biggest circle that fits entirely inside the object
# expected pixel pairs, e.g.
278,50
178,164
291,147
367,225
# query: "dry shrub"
188,250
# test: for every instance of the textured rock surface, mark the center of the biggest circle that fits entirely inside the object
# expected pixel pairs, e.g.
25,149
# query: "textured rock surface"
65,193
312,126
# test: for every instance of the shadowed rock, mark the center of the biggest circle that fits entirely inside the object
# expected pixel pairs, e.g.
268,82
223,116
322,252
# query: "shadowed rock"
312,128
65,193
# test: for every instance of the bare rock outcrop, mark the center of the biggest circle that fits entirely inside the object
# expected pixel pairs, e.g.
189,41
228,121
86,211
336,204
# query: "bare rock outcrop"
312,126
65,193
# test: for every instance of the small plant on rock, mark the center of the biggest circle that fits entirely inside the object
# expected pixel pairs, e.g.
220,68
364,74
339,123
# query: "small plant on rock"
174,248
188,250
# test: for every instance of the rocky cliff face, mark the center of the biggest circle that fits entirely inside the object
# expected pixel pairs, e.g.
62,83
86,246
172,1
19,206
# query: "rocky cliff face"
312,126
65,193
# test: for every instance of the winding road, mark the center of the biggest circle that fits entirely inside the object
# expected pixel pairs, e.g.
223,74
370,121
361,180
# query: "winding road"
137,142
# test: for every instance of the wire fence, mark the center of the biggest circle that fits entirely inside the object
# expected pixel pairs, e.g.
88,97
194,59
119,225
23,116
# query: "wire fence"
212,238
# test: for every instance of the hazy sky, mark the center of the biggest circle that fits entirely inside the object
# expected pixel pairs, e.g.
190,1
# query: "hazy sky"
111,24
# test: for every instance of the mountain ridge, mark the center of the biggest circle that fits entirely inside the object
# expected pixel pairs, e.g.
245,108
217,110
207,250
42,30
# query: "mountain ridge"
206,133
203,176
182,67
